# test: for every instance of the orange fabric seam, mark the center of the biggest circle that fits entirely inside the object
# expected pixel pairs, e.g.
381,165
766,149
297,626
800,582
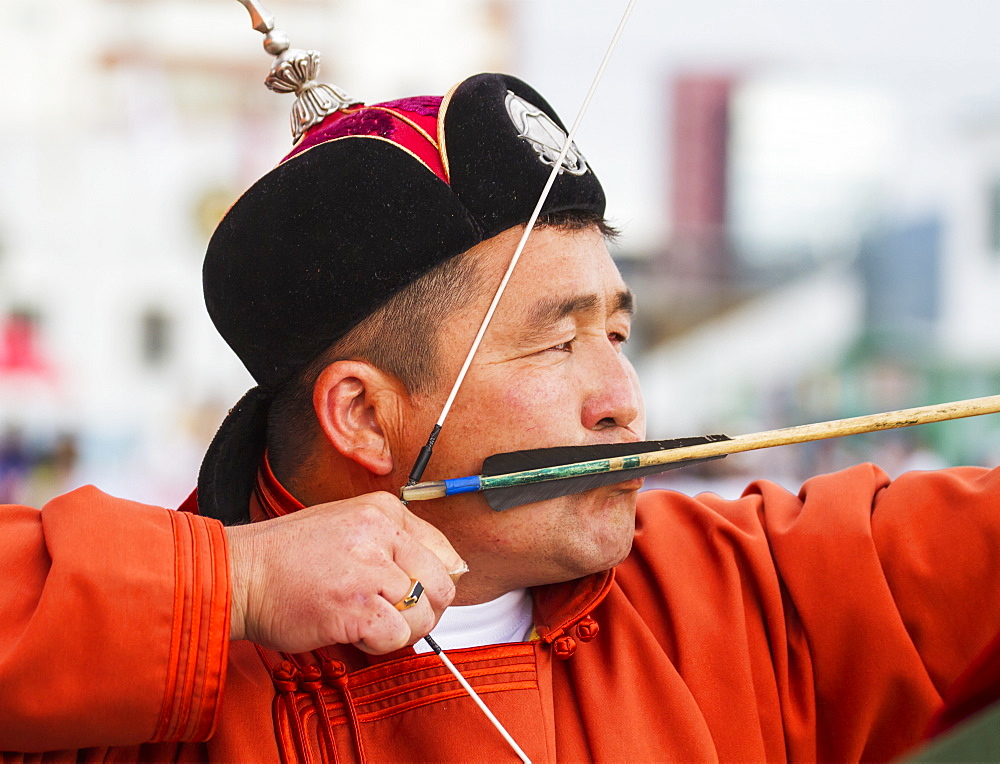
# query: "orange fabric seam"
363,682
461,658
194,625
441,679
374,716
275,497
332,697
217,635
311,711
202,635
173,655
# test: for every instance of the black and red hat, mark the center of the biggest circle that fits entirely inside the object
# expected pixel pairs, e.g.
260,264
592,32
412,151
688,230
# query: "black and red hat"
370,199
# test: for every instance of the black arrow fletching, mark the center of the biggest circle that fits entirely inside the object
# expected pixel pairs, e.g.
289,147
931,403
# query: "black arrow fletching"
520,461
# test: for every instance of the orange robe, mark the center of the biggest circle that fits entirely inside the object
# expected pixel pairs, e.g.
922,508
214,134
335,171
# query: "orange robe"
114,621
819,626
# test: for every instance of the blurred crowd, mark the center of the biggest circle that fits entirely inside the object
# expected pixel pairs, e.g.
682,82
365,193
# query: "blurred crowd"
31,473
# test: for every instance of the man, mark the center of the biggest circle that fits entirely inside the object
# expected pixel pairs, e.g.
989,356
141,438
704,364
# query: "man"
351,281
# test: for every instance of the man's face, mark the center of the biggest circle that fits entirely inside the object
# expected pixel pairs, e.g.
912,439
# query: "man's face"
550,372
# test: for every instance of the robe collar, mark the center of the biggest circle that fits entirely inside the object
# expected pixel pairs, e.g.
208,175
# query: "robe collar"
270,499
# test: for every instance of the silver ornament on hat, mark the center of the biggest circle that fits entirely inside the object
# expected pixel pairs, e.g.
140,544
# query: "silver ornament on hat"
295,71
546,137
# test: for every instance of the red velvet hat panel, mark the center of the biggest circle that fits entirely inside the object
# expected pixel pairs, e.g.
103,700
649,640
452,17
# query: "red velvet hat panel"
410,123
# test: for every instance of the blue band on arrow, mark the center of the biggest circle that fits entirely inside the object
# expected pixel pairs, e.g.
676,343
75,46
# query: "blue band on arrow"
462,485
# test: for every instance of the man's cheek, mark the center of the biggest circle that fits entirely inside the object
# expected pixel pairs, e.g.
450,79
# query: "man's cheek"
639,425
535,406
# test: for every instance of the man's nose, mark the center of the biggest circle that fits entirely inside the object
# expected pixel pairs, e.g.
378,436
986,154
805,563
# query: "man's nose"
613,399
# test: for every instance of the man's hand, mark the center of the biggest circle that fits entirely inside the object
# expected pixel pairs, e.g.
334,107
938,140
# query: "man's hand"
331,574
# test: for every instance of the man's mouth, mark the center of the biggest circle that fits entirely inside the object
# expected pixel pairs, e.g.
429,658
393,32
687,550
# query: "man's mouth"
634,484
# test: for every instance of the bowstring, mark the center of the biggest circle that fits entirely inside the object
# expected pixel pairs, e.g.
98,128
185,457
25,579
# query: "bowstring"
425,454
557,168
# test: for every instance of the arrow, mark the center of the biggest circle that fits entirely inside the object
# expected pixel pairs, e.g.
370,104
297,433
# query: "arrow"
521,477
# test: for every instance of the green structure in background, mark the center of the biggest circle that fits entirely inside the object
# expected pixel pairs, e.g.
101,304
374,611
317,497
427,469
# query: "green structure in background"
977,739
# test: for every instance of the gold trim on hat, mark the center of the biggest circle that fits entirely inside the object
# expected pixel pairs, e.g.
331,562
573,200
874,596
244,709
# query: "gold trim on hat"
370,137
442,148
403,118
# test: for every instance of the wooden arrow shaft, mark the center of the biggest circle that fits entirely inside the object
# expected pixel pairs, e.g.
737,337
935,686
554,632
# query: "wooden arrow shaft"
838,428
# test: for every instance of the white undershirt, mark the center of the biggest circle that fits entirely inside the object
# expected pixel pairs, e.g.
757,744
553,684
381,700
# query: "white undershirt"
505,619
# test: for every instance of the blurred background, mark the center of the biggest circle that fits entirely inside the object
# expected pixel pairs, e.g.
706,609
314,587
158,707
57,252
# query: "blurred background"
809,194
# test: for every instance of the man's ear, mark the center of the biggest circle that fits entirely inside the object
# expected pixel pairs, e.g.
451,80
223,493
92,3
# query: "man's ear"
355,404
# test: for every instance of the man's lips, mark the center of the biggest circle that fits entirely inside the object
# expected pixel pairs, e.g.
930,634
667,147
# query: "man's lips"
633,484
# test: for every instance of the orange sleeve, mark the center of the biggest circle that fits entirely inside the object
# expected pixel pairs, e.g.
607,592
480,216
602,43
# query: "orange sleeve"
896,587
822,625
114,623
938,537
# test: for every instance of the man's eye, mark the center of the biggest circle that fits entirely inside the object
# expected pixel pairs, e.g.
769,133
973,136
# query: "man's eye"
617,338
565,347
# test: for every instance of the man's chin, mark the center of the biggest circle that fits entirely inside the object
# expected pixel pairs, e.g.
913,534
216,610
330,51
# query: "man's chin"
611,515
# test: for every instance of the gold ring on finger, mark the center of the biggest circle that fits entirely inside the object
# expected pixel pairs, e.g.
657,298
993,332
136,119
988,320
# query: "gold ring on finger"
412,597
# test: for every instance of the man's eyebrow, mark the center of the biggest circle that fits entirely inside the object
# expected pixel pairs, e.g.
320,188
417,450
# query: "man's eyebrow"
549,312
624,302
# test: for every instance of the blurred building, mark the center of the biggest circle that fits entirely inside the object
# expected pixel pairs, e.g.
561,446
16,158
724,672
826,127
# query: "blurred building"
698,259
831,298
